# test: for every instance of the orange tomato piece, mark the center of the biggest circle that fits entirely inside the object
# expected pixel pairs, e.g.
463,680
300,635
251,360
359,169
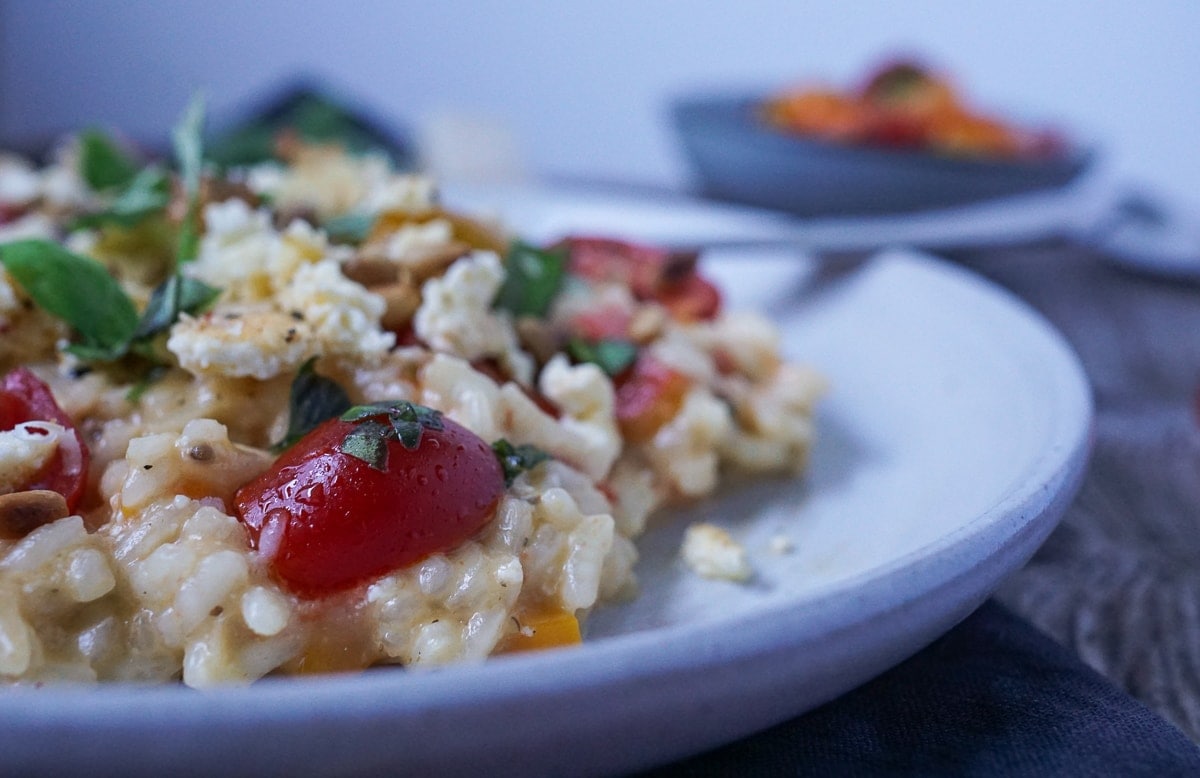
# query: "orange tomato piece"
649,395
544,629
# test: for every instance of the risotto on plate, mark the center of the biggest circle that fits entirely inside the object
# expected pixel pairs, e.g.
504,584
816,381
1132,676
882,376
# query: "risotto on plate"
300,418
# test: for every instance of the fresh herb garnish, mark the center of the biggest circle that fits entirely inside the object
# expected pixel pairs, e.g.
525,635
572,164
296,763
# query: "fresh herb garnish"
176,294
102,163
515,460
378,423
189,154
147,193
613,356
350,228
77,290
533,278
81,292
314,399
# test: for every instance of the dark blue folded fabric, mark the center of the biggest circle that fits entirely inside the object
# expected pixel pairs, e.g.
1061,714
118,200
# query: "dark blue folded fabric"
993,697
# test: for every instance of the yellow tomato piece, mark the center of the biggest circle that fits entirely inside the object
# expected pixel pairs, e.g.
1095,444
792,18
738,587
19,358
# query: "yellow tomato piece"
546,629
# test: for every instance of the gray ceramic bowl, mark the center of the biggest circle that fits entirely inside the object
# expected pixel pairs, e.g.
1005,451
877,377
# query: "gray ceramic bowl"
736,157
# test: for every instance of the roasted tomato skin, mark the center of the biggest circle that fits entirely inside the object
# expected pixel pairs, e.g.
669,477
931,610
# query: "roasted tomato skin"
691,299
327,521
648,395
667,277
25,397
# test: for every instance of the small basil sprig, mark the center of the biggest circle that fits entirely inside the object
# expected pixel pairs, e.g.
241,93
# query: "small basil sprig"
515,460
314,399
176,294
146,194
533,278
81,292
77,290
613,356
102,163
378,423
187,138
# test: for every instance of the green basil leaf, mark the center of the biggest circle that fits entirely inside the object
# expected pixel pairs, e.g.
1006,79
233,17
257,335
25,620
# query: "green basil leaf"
189,154
515,460
147,194
77,290
350,228
195,296
102,163
314,399
613,356
178,293
532,279
90,353
187,138
368,442
161,310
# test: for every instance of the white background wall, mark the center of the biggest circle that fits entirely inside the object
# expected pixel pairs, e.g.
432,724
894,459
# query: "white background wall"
583,86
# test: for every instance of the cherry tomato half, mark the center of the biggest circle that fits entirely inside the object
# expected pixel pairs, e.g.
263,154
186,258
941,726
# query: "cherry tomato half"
327,520
667,277
25,397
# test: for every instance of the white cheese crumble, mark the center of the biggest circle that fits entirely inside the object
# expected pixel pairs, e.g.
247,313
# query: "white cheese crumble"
456,315
239,342
343,315
712,553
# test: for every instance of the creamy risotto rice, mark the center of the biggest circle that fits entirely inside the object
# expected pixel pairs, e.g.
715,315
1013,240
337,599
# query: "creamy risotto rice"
300,418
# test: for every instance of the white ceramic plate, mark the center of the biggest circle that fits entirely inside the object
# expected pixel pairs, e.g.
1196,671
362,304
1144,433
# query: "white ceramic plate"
655,216
955,434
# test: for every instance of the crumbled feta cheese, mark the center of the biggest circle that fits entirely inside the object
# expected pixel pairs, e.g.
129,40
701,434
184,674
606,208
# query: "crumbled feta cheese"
244,255
456,315
711,552
234,341
780,545
343,316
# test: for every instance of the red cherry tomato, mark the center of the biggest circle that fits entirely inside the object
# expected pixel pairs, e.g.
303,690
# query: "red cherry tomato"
327,520
649,394
692,299
641,268
667,277
25,397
